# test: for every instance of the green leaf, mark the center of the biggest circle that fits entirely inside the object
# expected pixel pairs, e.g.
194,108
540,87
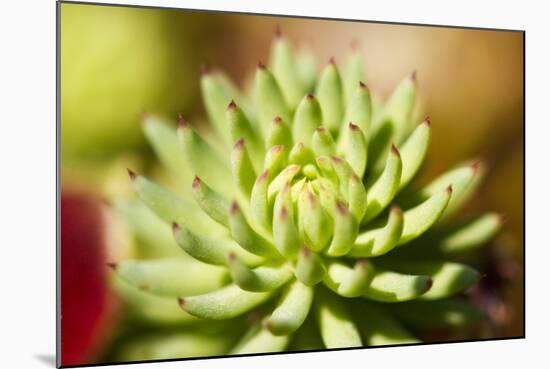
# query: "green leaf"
292,309
400,106
322,142
240,127
246,237
307,118
330,94
345,231
472,234
357,197
164,140
217,91
269,98
282,178
171,277
310,269
275,160
359,110
344,172
335,323
420,218
171,208
261,341
154,234
208,249
352,74
225,303
378,328
284,68
313,222
259,205
383,190
242,171
301,155
448,278
356,149
204,161
389,286
285,233
211,202
379,241
413,151
347,281
278,134
261,279
438,313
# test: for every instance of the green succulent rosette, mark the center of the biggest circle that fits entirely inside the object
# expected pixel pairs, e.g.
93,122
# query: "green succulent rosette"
296,206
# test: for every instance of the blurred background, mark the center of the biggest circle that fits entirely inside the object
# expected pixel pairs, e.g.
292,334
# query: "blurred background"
118,62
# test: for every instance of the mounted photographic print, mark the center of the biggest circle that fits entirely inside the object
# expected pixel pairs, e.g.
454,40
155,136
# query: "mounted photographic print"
235,184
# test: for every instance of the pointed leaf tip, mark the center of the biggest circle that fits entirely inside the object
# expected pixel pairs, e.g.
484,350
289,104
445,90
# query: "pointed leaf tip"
449,188
196,183
231,105
428,121
261,65
175,227
277,120
310,97
332,60
475,165
181,301
362,85
205,69
353,127
414,76
239,144
234,208
113,266
131,174
278,32
395,150
182,123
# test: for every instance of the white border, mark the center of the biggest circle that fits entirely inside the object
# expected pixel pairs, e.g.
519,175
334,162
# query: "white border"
27,193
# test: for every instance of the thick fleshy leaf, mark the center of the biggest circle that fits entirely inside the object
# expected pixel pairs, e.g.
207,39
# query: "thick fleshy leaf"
438,313
470,235
259,205
357,197
204,161
208,249
171,277
307,118
283,65
330,94
344,172
172,208
349,281
327,170
242,171
352,74
211,202
285,232
281,179
378,328
313,221
389,286
292,309
240,127
323,143
418,219
413,151
278,134
310,268
225,303
261,279
246,237
335,323
383,190
269,98
164,140
301,155
345,230
155,236
261,340
448,278
147,308
355,151
359,110
400,106
275,160
217,92
379,241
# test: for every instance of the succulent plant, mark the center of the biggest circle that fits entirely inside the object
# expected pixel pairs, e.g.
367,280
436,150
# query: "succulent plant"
296,205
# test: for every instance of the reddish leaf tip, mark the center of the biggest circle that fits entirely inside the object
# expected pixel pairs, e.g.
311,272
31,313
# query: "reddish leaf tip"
310,97
429,282
239,145
395,209
284,212
475,166
395,150
205,69
131,174
234,208
332,60
277,120
182,123
278,32
449,188
414,76
341,208
196,182
231,105
428,121
181,301
261,65
263,176
113,266
175,227
353,127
